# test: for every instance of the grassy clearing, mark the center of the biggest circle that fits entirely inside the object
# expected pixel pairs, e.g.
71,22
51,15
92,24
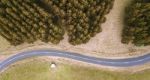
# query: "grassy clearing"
37,70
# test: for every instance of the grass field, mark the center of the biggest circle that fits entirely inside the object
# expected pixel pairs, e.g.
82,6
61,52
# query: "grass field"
39,70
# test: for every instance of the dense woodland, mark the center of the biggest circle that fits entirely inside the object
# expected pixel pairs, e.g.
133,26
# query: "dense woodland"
48,20
137,23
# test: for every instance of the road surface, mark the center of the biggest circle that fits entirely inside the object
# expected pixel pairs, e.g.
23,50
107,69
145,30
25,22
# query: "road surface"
79,57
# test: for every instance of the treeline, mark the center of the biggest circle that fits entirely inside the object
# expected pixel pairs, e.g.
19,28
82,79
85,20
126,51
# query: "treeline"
137,20
29,20
83,18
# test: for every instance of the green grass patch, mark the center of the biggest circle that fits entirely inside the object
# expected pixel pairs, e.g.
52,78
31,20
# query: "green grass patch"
39,70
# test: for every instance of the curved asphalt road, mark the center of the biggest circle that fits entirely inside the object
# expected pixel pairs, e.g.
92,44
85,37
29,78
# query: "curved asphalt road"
99,61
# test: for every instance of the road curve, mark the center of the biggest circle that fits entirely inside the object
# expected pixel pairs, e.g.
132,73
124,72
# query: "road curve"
75,56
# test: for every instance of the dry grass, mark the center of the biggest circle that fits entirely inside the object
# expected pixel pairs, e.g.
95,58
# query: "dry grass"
39,70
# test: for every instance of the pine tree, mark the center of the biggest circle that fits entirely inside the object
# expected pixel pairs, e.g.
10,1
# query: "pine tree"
137,20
